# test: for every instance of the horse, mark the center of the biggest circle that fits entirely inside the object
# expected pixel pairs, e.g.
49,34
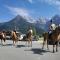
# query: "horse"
54,37
28,38
14,37
3,37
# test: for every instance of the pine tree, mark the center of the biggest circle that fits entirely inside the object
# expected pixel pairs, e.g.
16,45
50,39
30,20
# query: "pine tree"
34,31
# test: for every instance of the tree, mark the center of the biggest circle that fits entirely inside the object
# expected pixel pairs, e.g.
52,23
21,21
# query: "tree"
34,31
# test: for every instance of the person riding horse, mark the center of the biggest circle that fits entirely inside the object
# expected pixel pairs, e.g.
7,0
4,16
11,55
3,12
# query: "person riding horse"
29,32
52,27
53,36
14,37
3,36
29,35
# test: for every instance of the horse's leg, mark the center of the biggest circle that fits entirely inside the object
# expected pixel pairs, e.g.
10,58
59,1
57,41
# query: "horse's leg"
47,45
31,42
16,42
57,46
44,41
13,43
28,42
53,47
4,40
1,42
43,44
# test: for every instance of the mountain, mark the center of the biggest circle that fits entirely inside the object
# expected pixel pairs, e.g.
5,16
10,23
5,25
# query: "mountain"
41,22
21,24
56,19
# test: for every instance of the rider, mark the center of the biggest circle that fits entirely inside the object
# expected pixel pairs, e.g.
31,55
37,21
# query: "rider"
52,27
3,33
30,31
13,32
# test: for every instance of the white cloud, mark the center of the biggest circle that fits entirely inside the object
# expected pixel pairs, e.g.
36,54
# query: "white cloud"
55,3
30,1
51,2
18,11
22,12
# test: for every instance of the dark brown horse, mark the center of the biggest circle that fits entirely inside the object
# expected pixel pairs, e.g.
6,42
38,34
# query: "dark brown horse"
2,37
54,37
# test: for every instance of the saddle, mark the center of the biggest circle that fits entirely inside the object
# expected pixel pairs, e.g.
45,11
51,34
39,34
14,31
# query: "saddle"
52,32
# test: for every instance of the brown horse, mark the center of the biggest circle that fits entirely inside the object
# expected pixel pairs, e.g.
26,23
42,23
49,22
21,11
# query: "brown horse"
3,37
28,38
14,37
54,37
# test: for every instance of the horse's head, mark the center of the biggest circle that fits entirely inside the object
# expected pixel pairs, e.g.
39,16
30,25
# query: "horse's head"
45,34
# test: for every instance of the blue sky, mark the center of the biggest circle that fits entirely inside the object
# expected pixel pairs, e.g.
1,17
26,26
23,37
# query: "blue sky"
29,8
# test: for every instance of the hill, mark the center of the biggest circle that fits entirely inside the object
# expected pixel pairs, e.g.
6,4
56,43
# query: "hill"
21,24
